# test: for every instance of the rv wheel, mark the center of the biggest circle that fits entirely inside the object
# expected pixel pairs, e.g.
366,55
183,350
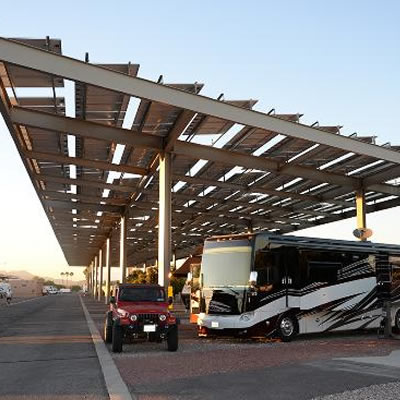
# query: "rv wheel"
287,327
397,321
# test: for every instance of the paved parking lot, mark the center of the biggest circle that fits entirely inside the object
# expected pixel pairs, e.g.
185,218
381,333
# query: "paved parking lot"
47,352
227,368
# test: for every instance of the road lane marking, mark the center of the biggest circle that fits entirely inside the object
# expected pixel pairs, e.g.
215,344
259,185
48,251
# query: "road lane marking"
116,387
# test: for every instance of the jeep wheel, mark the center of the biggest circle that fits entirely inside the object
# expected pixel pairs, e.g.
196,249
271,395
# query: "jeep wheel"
108,326
117,336
172,339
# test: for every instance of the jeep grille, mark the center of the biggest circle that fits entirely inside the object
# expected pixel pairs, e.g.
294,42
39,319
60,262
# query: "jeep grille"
148,318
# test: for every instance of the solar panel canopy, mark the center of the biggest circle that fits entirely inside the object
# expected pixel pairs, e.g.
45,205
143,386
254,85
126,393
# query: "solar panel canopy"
91,136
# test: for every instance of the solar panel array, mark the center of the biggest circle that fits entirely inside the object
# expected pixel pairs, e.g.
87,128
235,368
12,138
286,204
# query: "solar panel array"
84,200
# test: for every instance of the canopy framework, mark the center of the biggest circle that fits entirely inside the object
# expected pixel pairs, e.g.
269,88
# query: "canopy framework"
100,163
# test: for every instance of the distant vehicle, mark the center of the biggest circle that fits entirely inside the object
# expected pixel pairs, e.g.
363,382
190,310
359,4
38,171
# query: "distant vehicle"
64,290
6,292
49,290
263,284
140,311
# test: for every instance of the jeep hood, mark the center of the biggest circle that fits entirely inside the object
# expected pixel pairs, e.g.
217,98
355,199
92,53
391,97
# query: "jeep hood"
143,307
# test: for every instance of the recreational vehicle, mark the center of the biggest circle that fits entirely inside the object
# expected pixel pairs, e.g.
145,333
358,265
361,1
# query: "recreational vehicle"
263,283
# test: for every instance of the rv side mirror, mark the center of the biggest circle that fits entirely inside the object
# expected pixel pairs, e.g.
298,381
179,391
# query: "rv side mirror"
169,300
253,277
112,300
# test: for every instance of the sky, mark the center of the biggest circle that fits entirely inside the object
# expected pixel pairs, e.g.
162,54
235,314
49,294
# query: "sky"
335,62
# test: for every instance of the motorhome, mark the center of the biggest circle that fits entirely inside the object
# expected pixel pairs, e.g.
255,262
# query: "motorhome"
263,283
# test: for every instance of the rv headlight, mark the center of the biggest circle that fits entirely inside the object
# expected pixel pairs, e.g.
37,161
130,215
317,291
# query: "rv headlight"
133,318
162,317
247,316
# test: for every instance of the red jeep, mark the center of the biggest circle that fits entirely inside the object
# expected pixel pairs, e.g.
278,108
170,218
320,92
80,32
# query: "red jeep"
140,311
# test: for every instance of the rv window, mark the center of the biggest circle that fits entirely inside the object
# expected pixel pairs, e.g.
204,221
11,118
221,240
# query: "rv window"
266,263
323,266
324,271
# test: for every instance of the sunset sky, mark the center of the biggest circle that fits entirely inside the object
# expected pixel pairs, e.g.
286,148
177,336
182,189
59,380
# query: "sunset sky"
337,62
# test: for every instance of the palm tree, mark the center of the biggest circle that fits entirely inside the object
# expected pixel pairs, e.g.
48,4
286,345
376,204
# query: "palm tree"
62,280
71,274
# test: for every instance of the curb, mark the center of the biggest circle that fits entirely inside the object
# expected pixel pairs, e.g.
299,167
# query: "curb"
116,387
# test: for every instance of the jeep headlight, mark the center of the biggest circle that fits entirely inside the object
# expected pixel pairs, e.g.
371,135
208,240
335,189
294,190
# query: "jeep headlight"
133,318
122,313
162,317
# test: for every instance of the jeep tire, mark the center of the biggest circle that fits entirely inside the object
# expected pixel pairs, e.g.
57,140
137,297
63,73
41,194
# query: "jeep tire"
117,337
172,339
108,327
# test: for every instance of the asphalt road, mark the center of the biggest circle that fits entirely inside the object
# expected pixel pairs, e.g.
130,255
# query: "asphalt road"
46,351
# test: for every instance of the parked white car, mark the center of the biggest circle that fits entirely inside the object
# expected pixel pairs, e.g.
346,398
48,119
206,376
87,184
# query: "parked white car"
65,290
47,290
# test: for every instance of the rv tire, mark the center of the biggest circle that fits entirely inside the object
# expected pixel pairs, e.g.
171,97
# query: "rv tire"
397,321
287,327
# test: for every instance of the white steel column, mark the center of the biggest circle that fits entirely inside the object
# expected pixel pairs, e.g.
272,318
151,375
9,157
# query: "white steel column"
360,210
88,277
108,270
122,250
100,287
89,280
92,277
95,278
164,219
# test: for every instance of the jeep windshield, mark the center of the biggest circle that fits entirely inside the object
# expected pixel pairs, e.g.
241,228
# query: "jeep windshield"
142,294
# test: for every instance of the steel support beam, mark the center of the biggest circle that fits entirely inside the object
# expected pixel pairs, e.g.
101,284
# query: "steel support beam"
81,182
95,277
33,58
90,277
180,124
235,158
72,126
123,259
164,219
361,210
108,270
52,195
95,164
100,288
69,205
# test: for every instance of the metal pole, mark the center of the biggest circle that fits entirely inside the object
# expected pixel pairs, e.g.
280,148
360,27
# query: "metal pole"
89,283
100,287
174,260
108,270
164,219
360,210
122,250
95,277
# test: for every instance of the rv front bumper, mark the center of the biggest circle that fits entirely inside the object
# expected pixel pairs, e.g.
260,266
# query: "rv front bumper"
225,322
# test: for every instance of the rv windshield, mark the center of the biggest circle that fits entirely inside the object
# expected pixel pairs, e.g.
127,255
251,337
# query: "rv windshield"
226,263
